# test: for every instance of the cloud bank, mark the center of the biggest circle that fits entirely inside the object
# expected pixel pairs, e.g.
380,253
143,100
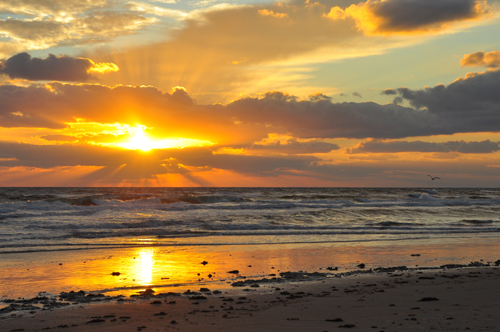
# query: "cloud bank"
62,68
485,146
293,146
468,105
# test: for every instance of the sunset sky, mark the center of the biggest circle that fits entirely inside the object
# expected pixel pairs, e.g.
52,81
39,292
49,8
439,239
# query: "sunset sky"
250,93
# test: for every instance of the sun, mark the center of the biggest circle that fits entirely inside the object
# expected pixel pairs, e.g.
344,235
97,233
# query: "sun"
139,140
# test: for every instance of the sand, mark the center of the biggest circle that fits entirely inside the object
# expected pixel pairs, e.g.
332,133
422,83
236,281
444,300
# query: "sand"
440,299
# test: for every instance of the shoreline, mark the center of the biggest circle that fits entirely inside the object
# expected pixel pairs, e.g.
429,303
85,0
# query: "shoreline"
124,271
455,297
364,285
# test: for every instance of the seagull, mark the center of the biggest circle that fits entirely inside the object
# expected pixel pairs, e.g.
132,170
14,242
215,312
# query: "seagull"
434,178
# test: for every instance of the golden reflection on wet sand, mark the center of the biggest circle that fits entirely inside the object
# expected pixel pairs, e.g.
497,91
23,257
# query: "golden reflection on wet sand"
165,268
144,267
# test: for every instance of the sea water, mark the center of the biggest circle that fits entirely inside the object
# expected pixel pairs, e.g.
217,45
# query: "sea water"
54,219
62,239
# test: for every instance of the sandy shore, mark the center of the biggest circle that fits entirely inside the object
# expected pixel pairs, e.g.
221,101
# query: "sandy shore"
440,299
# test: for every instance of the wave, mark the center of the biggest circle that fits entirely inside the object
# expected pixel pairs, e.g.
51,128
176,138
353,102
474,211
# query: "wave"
396,224
204,199
169,228
121,215
479,222
277,198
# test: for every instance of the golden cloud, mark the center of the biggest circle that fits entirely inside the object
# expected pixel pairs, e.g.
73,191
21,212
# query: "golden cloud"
266,12
488,59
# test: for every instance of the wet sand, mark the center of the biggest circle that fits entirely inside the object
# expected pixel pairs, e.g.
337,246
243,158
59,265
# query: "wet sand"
249,288
441,299
179,268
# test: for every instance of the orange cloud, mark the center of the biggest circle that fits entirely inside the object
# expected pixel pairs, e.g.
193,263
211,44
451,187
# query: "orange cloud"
488,59
438,110
410,17
243,40
265,12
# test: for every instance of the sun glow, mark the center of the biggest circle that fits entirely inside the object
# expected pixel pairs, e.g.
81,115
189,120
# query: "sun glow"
139,140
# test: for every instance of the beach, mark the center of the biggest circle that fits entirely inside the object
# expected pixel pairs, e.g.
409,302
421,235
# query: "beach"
441,299
249,259
393,287
209,165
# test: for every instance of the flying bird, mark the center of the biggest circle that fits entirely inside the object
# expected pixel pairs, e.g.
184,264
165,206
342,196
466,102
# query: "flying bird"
434,178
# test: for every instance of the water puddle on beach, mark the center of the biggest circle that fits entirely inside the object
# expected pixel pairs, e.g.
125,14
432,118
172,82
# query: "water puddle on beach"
129,270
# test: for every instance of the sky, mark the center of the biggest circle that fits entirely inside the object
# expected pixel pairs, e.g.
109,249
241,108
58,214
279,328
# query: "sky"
175,93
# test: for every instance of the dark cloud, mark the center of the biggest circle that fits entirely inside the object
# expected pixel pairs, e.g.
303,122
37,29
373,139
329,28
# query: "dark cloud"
324,119
389,92
357,94
488,59
62,68
408,15
90,138
59,138
472,102
319,96
294,146
398,100
411,16
418,146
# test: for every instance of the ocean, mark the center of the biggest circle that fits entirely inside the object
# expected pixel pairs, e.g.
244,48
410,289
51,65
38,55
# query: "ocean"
55,219
121,240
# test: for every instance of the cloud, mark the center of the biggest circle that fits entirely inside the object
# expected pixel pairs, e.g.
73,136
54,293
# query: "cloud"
135,164
392,17
266,12
250,47
62,68
73,28
117,166
246,51
469,102
467,105
377,146
389,92
357,94
488,59
155,10
293,146
53,7
59,138
319,96
56,105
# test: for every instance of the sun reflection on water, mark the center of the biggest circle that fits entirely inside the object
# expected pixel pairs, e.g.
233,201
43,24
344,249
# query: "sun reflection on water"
144,266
